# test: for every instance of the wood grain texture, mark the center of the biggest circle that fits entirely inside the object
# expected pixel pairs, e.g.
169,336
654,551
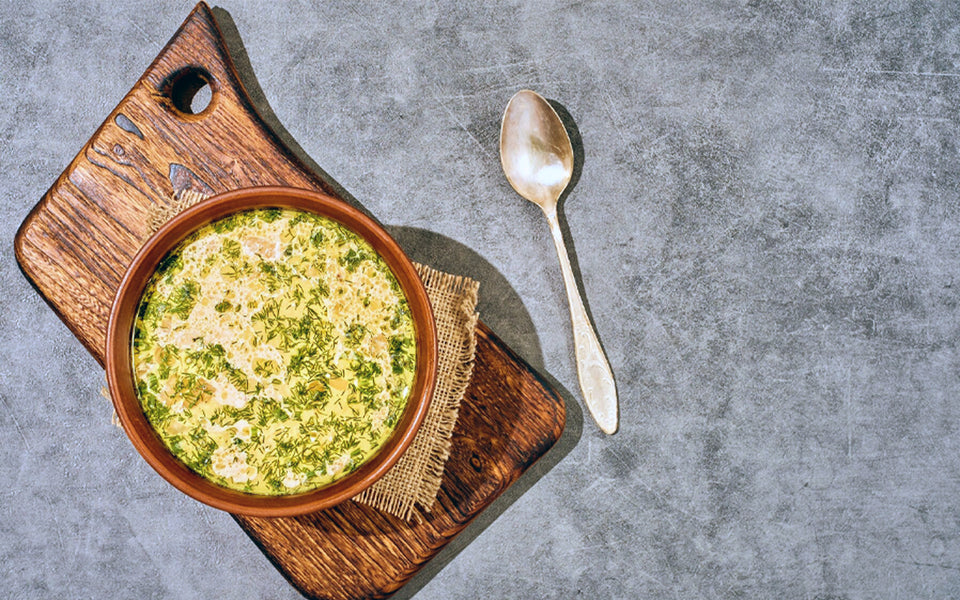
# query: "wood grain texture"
508,419
76,244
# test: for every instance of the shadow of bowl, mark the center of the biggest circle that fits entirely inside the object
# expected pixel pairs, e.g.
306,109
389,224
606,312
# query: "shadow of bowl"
499,304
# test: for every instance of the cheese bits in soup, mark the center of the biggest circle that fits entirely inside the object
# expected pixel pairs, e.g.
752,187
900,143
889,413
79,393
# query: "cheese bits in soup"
273,351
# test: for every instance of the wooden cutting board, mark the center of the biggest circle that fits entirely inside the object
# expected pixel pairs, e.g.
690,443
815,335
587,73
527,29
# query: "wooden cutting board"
75,245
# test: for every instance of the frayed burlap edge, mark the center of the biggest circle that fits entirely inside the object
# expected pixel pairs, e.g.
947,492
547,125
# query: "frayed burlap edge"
184,200
416,478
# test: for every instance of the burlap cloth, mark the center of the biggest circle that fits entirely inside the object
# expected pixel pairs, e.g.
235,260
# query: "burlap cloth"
415,479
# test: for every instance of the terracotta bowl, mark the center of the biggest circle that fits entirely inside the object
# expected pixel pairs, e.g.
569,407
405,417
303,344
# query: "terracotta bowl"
119,360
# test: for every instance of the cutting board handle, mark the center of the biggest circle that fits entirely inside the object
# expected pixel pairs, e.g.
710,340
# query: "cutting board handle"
150,149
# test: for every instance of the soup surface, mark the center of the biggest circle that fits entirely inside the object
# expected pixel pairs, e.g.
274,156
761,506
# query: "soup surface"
273,351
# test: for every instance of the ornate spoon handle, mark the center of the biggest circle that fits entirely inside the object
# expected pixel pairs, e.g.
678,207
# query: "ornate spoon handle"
593,370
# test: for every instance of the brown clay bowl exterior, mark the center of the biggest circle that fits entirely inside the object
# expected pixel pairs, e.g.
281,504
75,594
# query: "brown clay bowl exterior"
119,360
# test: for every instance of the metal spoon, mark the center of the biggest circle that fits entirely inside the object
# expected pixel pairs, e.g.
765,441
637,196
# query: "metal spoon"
537,157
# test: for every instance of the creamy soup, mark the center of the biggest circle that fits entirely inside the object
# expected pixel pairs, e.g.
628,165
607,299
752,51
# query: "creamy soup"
273,351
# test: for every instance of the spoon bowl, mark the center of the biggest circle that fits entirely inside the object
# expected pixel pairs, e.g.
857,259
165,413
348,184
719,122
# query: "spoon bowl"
537,158
535,150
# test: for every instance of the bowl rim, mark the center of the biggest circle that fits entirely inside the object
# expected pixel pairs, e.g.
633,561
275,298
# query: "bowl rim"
118,357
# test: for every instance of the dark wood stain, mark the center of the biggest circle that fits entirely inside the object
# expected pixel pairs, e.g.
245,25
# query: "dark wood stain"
85,230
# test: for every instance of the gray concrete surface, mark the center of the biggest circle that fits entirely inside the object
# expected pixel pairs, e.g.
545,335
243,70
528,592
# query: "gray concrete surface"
766,225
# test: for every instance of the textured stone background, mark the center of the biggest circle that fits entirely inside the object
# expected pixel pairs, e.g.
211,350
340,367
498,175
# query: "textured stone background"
767,227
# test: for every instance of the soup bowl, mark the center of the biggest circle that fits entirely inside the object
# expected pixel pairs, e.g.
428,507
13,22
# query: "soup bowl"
120,367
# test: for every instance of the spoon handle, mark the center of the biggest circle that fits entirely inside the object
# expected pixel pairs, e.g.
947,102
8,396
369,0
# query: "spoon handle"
593,370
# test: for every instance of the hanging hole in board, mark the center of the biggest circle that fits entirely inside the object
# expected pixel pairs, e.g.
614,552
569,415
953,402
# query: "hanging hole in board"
190,90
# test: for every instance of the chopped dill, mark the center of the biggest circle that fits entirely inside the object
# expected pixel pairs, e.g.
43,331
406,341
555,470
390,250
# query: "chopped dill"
253,373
